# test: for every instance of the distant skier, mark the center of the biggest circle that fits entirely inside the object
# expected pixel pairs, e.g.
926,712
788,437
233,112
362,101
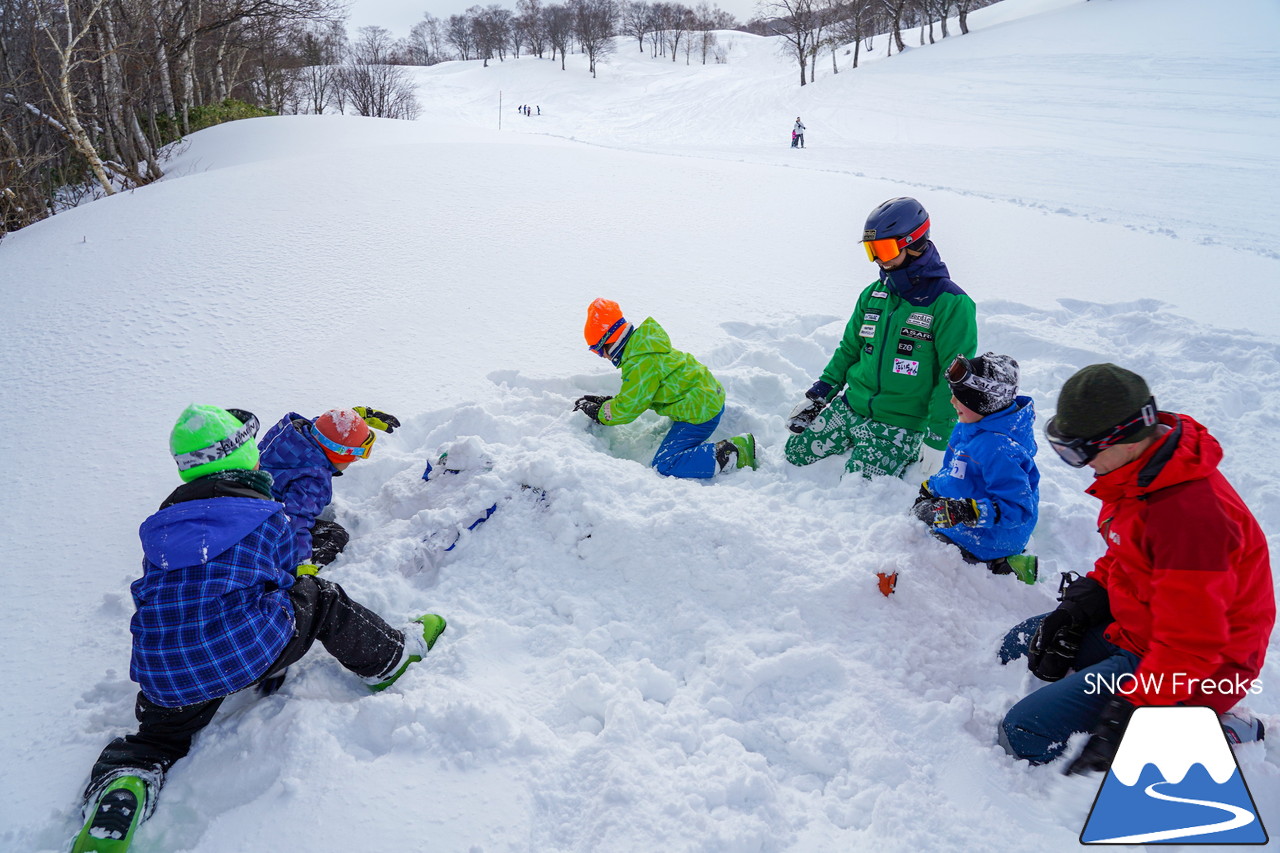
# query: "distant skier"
303,456
985,500
797,134
219,609
906,328
1182,601
673,384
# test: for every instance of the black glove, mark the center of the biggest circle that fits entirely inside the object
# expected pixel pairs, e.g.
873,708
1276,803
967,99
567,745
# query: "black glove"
948,512
1100,750
923,507
590,404
1053,648
806,411
378,420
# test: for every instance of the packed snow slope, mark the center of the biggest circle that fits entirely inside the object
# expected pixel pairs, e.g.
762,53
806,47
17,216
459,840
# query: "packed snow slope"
633,661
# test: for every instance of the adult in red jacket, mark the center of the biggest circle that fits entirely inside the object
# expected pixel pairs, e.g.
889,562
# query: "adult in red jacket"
1179,610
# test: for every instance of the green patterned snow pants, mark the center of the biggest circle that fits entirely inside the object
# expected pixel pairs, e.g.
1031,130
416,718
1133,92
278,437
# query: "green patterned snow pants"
877,449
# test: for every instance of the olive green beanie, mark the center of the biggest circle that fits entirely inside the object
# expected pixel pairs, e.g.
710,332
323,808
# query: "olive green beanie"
1099,397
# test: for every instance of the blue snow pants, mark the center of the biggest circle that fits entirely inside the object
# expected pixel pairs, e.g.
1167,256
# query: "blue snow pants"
683,452
1037,727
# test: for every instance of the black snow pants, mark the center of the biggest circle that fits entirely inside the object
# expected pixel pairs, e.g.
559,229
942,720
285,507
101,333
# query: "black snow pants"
359,638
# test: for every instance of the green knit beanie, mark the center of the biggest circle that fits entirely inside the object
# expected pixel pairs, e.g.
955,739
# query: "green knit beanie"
206,439
1099,397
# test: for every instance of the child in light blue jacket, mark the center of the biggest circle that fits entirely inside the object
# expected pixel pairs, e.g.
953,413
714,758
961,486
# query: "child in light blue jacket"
985,498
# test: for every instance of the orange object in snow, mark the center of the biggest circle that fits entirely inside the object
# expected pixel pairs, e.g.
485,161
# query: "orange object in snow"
888,582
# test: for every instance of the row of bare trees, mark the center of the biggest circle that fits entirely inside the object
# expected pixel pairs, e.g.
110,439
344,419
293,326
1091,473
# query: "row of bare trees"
809,27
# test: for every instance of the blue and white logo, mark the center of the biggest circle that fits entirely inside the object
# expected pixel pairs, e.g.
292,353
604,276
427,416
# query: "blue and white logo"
1174,781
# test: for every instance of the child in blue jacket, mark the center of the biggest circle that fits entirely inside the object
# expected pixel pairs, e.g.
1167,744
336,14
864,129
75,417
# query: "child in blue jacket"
303,456
218,609
985,499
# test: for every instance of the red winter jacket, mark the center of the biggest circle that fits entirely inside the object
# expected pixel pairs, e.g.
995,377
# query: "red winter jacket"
1186,570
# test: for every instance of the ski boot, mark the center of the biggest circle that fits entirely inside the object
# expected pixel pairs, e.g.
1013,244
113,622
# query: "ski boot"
119,809
1025,566
741,448
1242,727
416,646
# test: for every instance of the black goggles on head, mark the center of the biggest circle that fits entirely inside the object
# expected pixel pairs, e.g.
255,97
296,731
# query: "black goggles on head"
961,373
1079,452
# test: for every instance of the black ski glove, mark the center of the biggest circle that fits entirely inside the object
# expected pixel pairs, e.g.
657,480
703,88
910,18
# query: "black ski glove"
589,404
378,420
923,507
807,410
948,512
1052,650
1100,750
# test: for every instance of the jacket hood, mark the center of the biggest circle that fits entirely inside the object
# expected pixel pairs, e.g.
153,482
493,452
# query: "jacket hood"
289,445
921,281
1015,421
648,337
1187,452
195,532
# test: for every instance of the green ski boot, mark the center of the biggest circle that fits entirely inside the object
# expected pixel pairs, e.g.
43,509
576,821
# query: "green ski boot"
117,813
1025,566
741,449
415,647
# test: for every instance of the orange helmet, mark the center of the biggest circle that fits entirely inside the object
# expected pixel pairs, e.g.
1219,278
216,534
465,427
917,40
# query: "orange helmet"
343,435
604,324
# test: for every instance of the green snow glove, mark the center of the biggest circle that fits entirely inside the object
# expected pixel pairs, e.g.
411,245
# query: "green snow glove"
378,420
306,569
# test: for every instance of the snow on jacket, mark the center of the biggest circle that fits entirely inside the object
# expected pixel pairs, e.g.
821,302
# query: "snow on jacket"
993,462
904,333
1187,572
302,475
213,609
655,376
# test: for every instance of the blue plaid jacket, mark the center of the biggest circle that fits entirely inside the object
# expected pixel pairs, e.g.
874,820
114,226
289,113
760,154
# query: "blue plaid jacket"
213,609
302,474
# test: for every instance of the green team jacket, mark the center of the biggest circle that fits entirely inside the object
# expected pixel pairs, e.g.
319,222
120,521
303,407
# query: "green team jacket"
893,355
655,376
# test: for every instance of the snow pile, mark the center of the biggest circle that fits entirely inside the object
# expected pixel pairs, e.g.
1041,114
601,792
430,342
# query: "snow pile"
631,661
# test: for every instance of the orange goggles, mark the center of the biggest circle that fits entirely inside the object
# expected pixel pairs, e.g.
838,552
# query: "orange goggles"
362,451
888,248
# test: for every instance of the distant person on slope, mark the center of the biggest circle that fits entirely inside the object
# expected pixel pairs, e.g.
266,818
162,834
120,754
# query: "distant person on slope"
672,383
219,609
1182,601
303,456
986,498
907,327
797,134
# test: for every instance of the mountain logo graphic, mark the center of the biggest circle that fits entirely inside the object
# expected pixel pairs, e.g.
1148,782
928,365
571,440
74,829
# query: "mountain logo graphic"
1174,781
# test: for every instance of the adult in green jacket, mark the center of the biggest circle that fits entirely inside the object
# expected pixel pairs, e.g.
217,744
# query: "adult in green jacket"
672,383
907,328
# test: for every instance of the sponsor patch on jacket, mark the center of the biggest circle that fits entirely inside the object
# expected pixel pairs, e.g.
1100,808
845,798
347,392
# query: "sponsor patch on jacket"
959,467
879,294
868,330
906,347
870,316
903,365
908,332
920,318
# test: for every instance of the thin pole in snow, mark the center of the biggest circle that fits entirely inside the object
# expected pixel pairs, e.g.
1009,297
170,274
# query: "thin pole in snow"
499,109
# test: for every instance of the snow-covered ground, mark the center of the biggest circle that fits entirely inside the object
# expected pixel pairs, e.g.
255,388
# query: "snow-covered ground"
635,661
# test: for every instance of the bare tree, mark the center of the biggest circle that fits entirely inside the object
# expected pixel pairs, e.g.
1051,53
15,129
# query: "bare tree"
795,21
637,20
594,24
531,24
376,87
559,30
426,44
460,36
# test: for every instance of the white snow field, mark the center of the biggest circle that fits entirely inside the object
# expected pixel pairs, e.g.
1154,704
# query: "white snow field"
635,663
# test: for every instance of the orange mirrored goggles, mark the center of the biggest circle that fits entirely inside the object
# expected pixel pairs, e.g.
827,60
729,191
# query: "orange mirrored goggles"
888,248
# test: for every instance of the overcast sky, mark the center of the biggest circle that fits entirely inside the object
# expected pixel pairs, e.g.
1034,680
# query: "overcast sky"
399,15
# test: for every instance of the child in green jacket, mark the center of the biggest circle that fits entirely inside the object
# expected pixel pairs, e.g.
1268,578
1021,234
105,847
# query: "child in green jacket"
673,384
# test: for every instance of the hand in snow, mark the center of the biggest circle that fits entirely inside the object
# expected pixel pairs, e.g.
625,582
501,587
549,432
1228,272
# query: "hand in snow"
378,420
590,404
948,512
1100,750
